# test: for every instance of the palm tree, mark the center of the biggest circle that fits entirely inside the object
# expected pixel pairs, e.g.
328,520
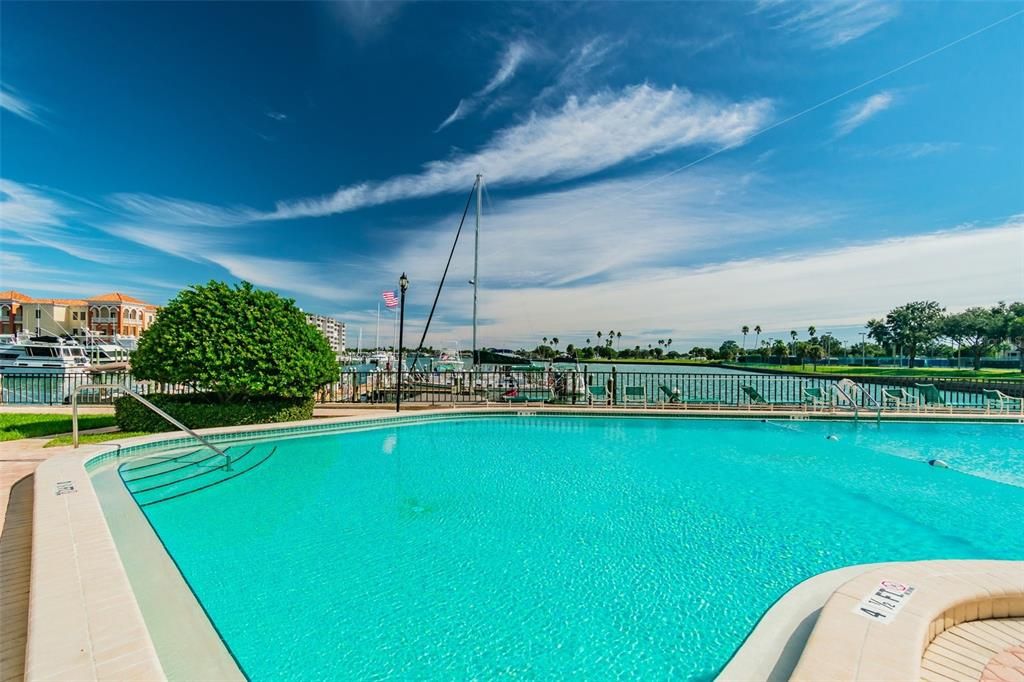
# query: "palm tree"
599,336
745,330
668,343
792,336
618,338
757,334
811,331
588,340
545,340
554,342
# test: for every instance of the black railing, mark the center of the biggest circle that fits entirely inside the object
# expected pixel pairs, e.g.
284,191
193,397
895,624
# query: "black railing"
560,387
42,388
582,387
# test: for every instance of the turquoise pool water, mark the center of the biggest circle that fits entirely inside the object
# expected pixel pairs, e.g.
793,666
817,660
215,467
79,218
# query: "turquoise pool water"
550,547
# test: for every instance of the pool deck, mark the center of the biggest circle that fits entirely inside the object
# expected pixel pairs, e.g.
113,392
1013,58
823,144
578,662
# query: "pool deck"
70,611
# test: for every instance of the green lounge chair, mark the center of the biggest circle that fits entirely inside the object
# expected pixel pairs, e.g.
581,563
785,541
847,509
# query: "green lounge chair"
931,397
1001,401
816,397
634,394
897,398
671,395
597,395
757,399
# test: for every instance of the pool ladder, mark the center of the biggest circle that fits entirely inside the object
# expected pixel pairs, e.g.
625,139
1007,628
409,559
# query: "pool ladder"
848,388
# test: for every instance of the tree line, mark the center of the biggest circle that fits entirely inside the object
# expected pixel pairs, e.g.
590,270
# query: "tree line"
915,329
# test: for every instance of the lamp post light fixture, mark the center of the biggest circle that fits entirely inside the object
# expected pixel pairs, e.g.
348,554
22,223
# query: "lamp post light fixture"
403,284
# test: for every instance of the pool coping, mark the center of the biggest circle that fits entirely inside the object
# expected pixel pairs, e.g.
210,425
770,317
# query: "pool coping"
85,621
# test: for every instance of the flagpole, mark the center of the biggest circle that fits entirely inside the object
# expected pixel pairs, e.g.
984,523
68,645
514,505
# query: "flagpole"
376,342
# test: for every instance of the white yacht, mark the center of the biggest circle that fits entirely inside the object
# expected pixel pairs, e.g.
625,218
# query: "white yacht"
41,354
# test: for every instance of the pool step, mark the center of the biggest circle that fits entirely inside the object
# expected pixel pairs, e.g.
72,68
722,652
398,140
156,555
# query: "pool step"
168,479
151,466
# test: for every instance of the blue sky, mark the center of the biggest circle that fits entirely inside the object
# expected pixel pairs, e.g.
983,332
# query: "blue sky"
670,170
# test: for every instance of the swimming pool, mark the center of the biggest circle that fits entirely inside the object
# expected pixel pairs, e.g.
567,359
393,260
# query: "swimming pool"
548,546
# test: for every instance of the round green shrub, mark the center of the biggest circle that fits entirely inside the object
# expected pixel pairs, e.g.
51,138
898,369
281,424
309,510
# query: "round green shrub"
237,343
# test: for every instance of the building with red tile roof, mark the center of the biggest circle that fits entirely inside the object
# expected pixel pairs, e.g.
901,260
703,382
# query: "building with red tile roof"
113,314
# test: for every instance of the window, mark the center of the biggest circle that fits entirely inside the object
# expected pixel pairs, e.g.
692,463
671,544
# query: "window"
39,312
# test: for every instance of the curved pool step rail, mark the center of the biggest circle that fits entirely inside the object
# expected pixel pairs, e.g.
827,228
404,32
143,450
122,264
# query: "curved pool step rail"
151,406
189,478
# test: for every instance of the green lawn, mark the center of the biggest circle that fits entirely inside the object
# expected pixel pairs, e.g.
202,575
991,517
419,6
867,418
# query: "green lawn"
22,425
94,438
855,370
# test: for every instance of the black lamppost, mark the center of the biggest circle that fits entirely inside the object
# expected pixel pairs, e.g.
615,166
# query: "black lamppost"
403,284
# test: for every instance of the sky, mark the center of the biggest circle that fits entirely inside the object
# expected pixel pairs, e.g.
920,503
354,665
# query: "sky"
668,170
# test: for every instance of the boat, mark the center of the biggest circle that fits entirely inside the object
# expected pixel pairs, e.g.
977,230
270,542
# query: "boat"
449,360
381,358
42,355
503,357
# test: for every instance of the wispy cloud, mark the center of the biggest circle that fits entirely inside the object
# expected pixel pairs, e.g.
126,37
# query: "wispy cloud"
32,216
830,24
859,113
694,46
514,55
583,137
365,19
911,150
580,62
277,115
149,209
11,101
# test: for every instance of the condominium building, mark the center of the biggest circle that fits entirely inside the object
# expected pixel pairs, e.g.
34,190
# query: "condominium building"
332,329
113,315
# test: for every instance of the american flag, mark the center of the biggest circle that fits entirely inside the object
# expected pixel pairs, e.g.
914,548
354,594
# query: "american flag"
390,300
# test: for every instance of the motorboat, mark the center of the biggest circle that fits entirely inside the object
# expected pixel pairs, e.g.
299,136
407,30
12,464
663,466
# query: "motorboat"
42,354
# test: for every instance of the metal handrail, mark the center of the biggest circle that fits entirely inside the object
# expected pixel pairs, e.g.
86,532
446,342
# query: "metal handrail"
169,418
839,387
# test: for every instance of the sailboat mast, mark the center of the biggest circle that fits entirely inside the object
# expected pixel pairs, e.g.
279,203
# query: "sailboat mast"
476,263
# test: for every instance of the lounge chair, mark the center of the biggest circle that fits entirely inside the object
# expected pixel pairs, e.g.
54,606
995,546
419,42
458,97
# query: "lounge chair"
671,395
757,399
816,397
597,395
897,398
634,394
1001,401
515,397
931,397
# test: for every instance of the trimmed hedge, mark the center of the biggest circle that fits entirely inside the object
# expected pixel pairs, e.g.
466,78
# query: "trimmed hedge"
198,411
